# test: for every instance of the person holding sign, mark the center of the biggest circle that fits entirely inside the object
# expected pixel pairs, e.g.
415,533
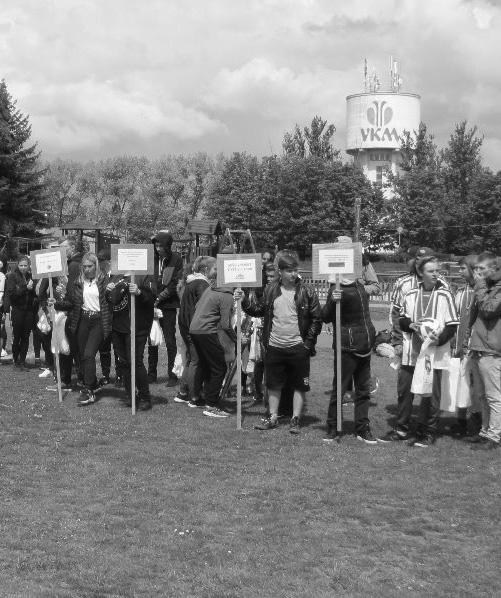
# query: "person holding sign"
118,293
357,339
291,325
89,319
22,298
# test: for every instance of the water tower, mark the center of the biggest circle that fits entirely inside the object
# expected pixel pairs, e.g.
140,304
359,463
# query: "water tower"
375,123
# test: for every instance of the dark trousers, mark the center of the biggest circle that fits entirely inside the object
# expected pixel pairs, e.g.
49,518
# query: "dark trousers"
105,357
405,398
168,324
3,335
66,361
212,363
89,337
42,341
429,408
258,380
121,343
37,338
22,324
358,370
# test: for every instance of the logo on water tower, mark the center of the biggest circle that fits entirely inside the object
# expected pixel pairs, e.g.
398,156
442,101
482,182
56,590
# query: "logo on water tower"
379,114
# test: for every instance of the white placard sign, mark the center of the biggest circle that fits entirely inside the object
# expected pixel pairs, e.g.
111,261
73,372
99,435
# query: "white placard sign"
239,270
132,259
48,262
336,261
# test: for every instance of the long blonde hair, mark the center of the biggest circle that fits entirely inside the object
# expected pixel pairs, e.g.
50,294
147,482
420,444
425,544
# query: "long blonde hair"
89,257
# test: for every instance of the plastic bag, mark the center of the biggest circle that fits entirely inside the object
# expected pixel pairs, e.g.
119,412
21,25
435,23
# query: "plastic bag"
43,324
456,386
60,342
178,365
155,334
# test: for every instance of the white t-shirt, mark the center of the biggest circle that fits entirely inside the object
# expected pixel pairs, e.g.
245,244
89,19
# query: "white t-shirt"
91,296
285,328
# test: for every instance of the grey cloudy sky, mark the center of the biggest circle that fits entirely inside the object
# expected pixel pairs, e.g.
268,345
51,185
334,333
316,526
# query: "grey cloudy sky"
108,77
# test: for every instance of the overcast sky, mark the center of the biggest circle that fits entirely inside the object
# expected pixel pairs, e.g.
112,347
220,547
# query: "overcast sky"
107,77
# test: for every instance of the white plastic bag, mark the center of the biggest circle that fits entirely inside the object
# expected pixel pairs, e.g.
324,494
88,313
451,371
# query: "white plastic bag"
178,365
60,342
155,334
43,324
449,386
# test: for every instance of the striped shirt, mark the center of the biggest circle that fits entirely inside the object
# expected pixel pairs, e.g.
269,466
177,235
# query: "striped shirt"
440,307
463,301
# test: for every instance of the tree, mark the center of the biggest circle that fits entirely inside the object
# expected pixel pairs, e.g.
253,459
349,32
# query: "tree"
418,191
311,141
21,189
61,184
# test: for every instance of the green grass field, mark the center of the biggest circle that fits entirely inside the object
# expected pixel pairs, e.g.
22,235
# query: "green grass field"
97,503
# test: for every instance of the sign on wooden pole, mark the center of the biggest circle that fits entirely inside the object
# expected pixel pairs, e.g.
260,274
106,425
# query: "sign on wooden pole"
237,270
49,263
132,259
335,261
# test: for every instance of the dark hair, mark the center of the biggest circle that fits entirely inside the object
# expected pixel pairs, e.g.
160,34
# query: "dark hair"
470,261
202,263
287,261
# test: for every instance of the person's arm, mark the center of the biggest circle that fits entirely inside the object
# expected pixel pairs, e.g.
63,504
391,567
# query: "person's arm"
488,300
147,295
255,308
170,289
447,334
226,311
370,280
65,303
14,290
328,311
315,320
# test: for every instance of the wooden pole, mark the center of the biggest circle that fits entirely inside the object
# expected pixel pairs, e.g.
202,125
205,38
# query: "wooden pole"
52,312
239,363
133,347
338,361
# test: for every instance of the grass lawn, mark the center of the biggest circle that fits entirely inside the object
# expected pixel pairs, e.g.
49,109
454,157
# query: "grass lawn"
97,503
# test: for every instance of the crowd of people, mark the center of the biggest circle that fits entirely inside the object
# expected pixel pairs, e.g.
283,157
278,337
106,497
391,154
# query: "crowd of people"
431,329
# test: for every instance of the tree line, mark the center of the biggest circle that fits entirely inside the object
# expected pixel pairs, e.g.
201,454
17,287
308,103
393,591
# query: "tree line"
443,197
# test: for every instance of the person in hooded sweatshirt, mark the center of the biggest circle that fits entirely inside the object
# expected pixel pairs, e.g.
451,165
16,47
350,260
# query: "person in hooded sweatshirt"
213,312
21,292
118,294
204,270
170,272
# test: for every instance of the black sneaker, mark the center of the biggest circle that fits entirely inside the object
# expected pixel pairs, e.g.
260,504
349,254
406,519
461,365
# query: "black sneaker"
119,382
38,363
215,412
394,436
331,435
196,403
152,377
172,381
459,429
88,397
104,381
294,426
267,424
424,440
366,436
488,445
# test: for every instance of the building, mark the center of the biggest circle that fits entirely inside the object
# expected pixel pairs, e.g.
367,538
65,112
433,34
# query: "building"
375,124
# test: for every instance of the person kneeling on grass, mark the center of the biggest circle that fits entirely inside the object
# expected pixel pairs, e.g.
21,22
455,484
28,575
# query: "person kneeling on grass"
118,294
291,325
357,340
213,312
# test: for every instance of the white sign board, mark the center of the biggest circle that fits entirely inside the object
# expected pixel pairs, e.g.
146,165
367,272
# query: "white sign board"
132,259
239,270
48,262
328,260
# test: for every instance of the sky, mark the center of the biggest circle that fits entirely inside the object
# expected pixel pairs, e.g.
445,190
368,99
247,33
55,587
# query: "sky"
101,78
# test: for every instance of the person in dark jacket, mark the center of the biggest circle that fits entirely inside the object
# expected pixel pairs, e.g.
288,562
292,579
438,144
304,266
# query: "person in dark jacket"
171,271
20,289
204,271
118,293
89,317
357,339
213,313
291,325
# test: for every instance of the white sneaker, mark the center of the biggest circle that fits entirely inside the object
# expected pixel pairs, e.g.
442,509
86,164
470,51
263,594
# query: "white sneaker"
215,412
3,353
45,374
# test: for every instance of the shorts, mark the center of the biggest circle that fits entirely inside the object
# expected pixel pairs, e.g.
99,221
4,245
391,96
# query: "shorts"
288,367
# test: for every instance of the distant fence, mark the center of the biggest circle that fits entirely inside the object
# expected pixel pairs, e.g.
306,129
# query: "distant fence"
386,283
